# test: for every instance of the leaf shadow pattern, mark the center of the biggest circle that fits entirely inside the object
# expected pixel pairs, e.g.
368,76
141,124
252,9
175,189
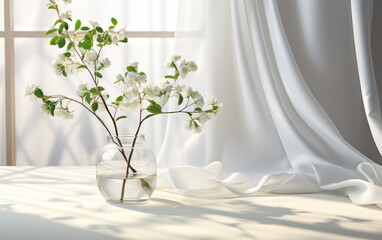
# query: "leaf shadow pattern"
36,227
244,211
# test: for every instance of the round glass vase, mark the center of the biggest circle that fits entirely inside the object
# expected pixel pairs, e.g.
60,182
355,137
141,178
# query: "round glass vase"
119,183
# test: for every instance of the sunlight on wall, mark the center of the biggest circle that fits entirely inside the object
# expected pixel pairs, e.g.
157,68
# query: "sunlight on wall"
143,15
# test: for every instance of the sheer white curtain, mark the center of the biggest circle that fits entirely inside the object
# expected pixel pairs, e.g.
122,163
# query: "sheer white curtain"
274,135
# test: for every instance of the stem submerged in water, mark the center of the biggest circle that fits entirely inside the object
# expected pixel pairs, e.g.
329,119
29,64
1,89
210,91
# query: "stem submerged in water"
128,162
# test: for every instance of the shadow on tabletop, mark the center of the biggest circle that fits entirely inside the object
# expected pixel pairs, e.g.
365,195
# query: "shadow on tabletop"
17,226
243,210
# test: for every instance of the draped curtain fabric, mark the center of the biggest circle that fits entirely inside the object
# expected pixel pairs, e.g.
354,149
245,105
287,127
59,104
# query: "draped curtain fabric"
273,135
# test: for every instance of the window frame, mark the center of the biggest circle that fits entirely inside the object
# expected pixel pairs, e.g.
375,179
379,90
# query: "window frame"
9,35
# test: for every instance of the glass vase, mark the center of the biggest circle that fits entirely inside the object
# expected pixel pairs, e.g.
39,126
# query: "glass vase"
126,169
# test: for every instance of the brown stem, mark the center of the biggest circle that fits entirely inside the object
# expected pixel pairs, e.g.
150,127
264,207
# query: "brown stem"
130,156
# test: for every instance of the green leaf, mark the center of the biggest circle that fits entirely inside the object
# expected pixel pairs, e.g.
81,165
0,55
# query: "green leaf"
142,73
169,76
82,66
52,7
67,54
98,74
114,21
100,88
45,99
51,109
99,29
198,109
53,40
69,46
66,25
77,25
64,73
87,45
61,42
180,99
38,93
99,38
61,28
119,99
50,31
154,108
88,99
120,117
85,28
95,106
176,75
57,22
125,40
131,69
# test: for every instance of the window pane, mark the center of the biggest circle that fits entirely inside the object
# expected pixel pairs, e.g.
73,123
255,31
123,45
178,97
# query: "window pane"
43,140
2,106
142,15
1,15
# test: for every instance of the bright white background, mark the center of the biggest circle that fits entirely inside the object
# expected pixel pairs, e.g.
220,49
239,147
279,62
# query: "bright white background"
42,140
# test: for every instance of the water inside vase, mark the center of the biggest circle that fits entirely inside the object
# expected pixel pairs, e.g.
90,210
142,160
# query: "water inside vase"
138,187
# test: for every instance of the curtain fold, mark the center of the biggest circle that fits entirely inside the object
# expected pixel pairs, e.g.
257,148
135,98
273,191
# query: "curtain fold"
273,135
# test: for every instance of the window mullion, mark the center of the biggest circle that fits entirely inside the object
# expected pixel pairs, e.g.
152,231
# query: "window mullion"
9,50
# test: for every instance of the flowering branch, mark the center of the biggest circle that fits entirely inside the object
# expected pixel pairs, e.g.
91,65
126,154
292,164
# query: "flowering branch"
83,50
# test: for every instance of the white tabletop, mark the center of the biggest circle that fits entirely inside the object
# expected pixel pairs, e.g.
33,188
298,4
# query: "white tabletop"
64,203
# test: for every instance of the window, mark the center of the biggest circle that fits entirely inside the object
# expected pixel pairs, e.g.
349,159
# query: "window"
40,140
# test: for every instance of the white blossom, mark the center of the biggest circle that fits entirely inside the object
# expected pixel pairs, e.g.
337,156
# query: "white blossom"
81,88
199,102
197,129
174,58
151,90
195,95
192,66
167,64
67,1
141,78
94,23
67,14
106,62
187,66
190,125
204,117
131,76
29,91
64,113
187,91
114,39
211,100
121,34
91,56
183,71
73,68
45,109
162,100
180,87
220,108
130,105
134,64
77,37
57,69
119,77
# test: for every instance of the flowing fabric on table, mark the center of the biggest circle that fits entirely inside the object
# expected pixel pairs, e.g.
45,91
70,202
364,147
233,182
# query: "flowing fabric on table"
274,135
